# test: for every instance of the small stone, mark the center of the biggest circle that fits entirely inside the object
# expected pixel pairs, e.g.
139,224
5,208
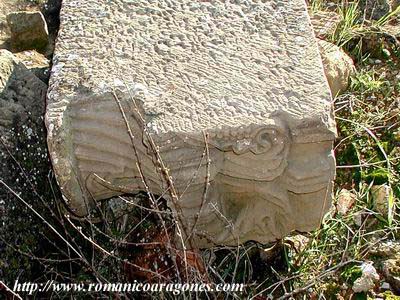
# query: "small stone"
357,218
381,195
386,53
28,30
367,280
363,284
324,23
36,63
386,249
385,286
338,66
391,271
331,4
345,201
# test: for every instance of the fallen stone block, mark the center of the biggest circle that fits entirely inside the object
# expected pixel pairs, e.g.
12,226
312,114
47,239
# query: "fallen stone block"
222,108
338,66
36,62
28,30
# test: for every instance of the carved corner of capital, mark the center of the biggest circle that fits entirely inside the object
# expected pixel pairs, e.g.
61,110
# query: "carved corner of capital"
256,152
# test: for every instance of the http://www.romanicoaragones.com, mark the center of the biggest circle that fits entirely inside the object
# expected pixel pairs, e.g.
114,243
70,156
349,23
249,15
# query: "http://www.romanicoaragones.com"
132,287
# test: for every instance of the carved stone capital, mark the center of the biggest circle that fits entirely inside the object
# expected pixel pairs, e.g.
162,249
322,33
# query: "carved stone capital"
230,94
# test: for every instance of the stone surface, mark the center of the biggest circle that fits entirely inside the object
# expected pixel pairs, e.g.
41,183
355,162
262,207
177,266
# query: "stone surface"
22,103
389,252
6,7
381,195
21,92
386,249
345,201
28,30
376,9
338,66
324,23
368,279
391,271
36,62
244,76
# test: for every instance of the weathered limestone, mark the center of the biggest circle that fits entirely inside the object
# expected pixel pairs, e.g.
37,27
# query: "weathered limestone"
28,30
245,76
338,66
324,23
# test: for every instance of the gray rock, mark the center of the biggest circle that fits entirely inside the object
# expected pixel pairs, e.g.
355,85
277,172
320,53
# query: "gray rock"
23,159
388,253
338,66
385,286
345,201
324,23
22,102
386,249
243,77
28,30
391,271
19,88
376,9
36,63
367,281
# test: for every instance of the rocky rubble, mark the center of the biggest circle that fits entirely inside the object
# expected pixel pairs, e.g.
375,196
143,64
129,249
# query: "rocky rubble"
391,271
24,164
22,94
23,74
387,254
22,102
28,30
